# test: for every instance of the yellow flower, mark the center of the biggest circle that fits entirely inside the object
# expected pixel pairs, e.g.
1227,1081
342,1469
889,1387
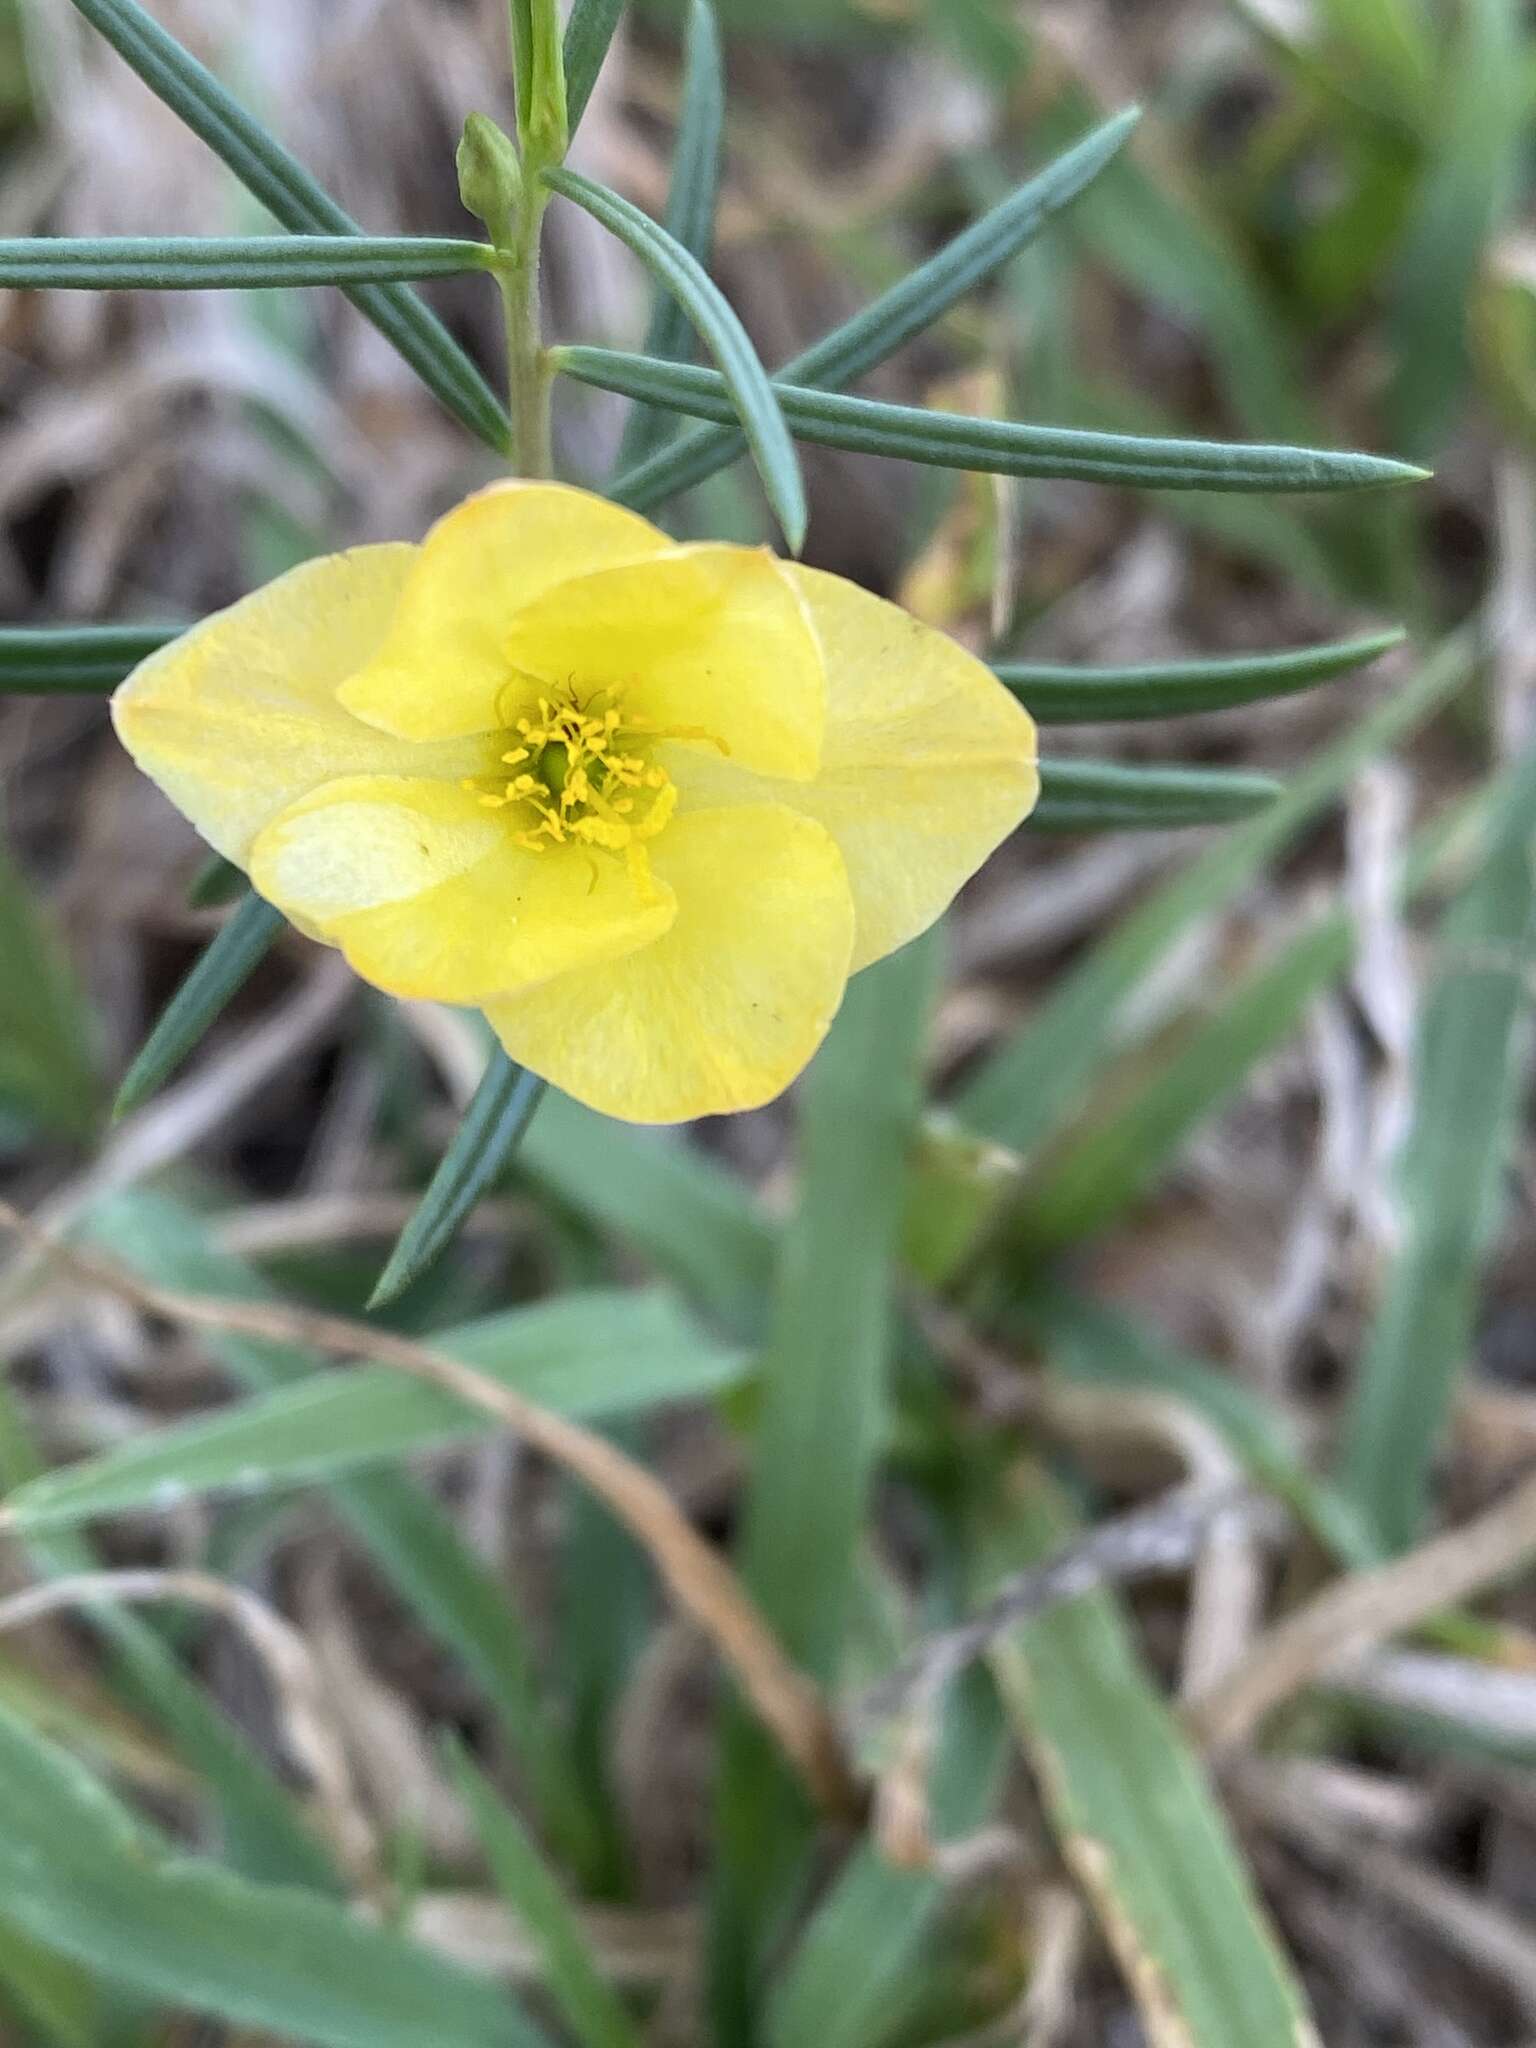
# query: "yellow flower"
646,806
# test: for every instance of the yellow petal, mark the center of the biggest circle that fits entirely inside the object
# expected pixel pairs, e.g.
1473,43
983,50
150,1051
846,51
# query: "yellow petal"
715,640
238,718
723,1010
427,892
927,765
443,669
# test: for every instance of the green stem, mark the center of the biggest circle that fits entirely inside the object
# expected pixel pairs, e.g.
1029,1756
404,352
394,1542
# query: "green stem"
529,374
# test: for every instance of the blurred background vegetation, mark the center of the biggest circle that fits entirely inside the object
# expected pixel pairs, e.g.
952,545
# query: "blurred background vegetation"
1174,1209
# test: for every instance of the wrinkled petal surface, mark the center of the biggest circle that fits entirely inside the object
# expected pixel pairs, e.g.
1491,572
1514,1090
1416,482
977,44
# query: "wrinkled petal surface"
442,669
427,892
238,718
715,640
927,762
725,1009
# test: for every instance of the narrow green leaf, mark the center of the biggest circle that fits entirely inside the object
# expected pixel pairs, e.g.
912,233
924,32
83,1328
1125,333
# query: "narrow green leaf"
485,1141
1103,796
823,1411
458,1600
585,1355
259,1824
1132,1809
885,1916
1038,1078
47,1068
84,1881
665,1199
952,440
217,882
1482,96
690,216
1097,1346
1058,695
58,2000
74,660
586,2001
225,965
588,32
182,263
1096,1173
1473,1041
294,199
907,309
747,396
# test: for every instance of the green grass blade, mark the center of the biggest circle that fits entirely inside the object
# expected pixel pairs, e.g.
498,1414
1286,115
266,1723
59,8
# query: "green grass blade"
690,216
293,198
907,309
589,1356
1104,796
1133,1812
1468,1066
81,1879
182,263
58,2002
823,1410
1058,695
1098,1347
586,2001
74,660
1039,1076
748,398
884,1916
262,1833
223,968
1098,1172
457,1600
47,1068
485,1141
1482,99
588,32
946,440
665,1199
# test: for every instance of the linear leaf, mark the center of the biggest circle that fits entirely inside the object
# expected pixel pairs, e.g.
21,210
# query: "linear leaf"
587,2002
746,395
824,1401
1060,695
666,1199
1086,1341
491,1130
1130,1136
690,216
1098,1172
81,1878
951,440
1037,1079
458,1600
88,660
1106,796
47,1069
1133,1811
588,33
884,1915
293,198
907,309
223,968
586,1355
184,263
1473,1038
1481,100
258,1820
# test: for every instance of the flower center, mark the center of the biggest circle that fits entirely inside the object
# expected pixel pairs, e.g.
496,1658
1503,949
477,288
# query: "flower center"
577,778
